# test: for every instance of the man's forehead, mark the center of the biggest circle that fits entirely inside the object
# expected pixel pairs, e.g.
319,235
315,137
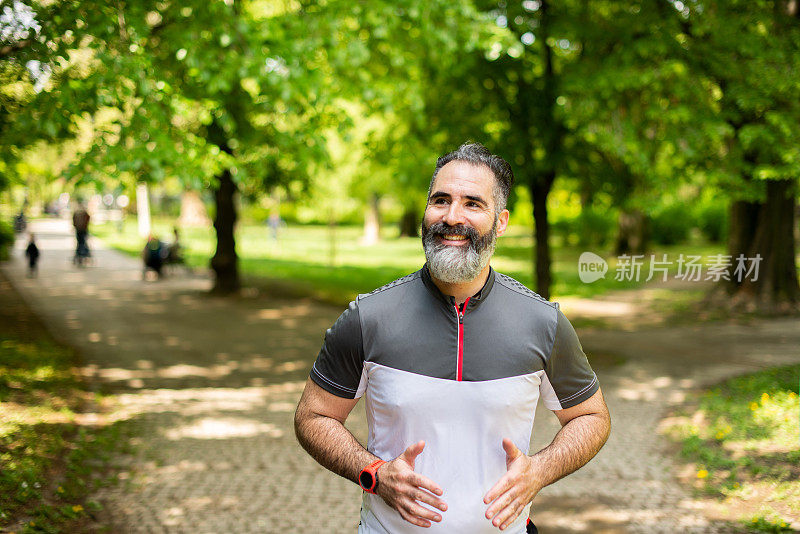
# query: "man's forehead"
464,175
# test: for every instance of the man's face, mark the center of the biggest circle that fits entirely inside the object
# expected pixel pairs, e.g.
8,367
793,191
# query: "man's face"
461,225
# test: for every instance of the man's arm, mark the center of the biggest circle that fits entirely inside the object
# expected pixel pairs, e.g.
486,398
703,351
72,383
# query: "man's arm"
319,426
584,430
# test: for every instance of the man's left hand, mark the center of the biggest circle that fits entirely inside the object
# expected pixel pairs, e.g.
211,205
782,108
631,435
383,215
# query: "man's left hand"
514,490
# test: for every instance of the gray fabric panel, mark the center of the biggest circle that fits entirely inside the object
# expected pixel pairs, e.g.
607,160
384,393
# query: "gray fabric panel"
407,327
568,368
339,363
519,287
510,334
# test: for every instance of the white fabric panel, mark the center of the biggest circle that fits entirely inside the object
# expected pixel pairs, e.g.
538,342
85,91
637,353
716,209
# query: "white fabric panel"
549,396
463,425
362,383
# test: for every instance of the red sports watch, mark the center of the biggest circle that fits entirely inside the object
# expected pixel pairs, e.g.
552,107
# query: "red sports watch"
368,478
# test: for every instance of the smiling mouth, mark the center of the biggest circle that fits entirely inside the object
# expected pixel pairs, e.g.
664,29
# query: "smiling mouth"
454,237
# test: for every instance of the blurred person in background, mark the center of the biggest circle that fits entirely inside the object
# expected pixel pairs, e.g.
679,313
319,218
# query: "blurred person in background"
32,253
175,255
20,222
80,221
154,254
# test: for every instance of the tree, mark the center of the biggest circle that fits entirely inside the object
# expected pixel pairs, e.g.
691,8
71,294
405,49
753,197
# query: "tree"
643,122
516,79
395,63
217,93
751,51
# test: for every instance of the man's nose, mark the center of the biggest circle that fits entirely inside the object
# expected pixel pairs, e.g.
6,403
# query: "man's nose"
454,215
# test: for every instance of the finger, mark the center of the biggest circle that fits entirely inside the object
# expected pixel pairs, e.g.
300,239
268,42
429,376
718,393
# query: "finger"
425,497
411,453
511,450
419,511
509,515
503,485
420,481
414,520
500,504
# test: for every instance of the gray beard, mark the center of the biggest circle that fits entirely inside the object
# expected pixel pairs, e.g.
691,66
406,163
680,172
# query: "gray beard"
457,264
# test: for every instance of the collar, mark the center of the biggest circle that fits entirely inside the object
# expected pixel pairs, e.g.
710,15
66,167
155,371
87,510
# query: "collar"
474,301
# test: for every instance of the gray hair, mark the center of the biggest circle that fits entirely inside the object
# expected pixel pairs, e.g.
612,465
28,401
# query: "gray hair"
477,154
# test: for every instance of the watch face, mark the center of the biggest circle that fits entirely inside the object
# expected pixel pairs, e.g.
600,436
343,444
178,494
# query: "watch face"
366,479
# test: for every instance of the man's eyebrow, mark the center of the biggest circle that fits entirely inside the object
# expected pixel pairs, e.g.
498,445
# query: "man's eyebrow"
442,194
476,198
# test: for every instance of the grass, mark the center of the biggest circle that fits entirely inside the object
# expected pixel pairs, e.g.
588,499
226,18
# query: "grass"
333,265
742,439
49,461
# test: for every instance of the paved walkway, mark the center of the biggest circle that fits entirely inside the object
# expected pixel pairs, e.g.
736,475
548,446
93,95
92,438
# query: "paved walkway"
211,385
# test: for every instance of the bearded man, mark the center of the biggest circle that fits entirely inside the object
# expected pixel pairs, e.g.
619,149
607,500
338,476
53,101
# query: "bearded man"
452,361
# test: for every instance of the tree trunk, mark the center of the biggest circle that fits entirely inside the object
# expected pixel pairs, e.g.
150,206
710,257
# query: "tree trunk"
776,286
372,221
409,222
541,250
542,181
742,225
632,234
225,263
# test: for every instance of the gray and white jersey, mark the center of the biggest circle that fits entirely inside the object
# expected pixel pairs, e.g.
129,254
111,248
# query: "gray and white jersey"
461,379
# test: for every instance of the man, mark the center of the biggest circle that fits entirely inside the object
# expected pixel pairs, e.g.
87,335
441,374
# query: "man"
80,221
452,360
153,255
32,252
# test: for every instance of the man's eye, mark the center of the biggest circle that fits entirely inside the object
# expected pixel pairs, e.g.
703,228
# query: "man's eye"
439,201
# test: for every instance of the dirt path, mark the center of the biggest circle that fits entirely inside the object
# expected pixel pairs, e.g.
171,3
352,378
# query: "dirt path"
211,384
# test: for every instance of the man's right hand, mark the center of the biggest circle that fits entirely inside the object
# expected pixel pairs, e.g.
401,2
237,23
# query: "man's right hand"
404,490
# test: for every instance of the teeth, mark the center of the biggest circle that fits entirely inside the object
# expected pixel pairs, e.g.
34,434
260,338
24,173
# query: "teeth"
454,237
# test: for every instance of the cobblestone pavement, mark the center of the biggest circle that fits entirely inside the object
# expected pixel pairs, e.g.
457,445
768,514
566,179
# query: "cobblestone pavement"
210,385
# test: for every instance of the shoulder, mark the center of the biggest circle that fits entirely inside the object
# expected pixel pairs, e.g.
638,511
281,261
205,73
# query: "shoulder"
391,289
391,301
522,294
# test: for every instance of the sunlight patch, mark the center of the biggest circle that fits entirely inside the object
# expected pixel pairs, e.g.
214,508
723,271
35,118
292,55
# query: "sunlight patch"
224,428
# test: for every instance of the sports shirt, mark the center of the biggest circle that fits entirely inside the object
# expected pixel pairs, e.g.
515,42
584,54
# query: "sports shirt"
461,379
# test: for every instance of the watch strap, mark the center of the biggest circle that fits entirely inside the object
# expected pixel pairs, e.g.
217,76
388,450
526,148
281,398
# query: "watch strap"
368,478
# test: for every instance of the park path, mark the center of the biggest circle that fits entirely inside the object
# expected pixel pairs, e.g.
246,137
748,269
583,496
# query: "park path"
210,385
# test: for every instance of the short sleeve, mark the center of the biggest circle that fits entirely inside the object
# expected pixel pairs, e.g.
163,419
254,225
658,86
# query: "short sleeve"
340,362
569,379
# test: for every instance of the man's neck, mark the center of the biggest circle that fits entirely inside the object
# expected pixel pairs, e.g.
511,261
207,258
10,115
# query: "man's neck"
462,291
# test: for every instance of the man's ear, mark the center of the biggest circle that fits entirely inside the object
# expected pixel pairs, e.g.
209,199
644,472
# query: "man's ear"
502,222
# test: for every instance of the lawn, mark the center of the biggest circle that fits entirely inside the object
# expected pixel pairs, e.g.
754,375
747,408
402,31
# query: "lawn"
50,460
332,264
742,442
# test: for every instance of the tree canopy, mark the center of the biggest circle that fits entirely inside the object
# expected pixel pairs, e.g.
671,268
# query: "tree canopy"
630,103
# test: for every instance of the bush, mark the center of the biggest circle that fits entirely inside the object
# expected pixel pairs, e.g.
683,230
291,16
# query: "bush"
254,212
7,238
592,227
595,227
671,224
712,220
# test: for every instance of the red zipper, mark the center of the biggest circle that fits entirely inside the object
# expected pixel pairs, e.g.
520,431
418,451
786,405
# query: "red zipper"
460,361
